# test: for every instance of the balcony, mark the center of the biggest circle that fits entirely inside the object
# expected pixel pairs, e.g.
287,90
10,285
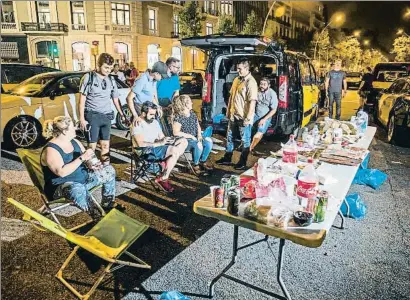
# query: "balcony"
121,28
9,26
174,35
210,11
78,27
153,32
55,27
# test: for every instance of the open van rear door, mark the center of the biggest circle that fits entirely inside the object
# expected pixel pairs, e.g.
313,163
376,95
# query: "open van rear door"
210,42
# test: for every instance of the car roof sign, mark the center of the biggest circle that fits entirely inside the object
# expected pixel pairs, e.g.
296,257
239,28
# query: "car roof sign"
222,41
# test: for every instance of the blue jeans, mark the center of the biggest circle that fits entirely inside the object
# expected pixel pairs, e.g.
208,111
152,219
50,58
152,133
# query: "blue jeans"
236,128
261,129
200,151
335,97
79,193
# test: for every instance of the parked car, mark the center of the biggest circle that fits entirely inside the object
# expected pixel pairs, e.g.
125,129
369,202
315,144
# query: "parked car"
191,83
291,74
398,126
14,73
25,107
353,80
384,74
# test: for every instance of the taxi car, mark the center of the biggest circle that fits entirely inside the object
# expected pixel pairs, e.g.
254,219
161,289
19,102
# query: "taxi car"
45,96
353,80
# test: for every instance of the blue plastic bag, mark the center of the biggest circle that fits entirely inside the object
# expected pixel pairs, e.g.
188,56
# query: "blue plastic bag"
371,177
172,295
207,132
357,208
217,119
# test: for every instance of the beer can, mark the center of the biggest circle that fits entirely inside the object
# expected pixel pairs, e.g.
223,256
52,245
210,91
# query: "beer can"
234,181
219,197
226,184
321,206
234,196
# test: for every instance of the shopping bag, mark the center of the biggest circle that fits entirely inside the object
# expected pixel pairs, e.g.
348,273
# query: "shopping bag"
371,177
357,208
172,295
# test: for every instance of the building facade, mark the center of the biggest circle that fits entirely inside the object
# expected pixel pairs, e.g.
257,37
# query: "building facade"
69,35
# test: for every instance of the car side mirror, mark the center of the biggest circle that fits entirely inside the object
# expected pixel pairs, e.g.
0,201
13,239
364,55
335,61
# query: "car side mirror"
53,95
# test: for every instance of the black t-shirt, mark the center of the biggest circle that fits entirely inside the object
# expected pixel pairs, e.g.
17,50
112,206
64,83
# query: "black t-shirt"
127,73
188,124
368,81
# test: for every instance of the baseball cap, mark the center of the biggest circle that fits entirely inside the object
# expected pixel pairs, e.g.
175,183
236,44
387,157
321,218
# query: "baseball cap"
161,68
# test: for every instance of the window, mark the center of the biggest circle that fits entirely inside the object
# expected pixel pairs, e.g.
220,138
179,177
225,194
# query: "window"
209,28
68,85
176,24
398,87
152,21
120,14
206,5
77,14
226,7
43,12
305,72
7,12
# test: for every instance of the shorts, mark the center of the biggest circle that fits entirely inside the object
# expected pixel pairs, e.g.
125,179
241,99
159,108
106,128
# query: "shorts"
157,153
261,129
100,126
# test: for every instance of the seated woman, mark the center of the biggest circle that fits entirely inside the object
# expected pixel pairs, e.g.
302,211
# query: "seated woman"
66,175
185,124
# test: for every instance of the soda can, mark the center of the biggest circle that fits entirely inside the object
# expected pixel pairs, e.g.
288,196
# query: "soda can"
212,190
219,197
234,196
324,195
226,185
321,205
234,181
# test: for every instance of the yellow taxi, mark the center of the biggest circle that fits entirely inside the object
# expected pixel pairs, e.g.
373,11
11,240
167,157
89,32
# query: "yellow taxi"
25,107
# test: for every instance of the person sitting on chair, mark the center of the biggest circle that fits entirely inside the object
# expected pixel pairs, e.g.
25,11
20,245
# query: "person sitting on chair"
148,134
65,174
185,124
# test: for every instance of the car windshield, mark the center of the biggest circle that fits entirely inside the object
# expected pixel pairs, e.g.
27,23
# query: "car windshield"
390,76
32,86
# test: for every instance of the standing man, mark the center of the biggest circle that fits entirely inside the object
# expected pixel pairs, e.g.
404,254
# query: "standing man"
118,73
336,88
145,90
131,74
264,111
240,112
366,85
97,90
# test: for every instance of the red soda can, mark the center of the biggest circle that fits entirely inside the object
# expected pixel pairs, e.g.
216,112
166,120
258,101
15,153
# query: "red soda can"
219,197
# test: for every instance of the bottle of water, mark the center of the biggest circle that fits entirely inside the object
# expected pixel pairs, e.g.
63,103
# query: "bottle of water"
362,121
316,134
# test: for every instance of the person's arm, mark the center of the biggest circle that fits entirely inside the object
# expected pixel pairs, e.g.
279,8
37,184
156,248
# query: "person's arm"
252,96
139,140
199,131
176,130
56,164
115,96
273,107
327,83
344,85
84,90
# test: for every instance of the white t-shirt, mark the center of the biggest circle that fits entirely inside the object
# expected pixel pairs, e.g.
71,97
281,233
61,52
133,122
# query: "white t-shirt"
150,131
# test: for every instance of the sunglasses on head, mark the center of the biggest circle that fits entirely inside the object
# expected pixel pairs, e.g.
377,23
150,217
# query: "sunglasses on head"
104,84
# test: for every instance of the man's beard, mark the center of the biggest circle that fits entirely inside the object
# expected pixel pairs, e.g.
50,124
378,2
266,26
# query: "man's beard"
263,90
149,121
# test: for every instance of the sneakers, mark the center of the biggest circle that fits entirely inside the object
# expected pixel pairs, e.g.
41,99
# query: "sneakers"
164,185
196,169
226,160
205,167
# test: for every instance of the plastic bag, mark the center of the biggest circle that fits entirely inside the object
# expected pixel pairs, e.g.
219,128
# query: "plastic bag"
365,162
371,177
172,295
357,208
279,216
207,132
218,118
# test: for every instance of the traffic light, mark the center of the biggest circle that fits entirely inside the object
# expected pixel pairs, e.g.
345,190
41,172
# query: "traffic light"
53,49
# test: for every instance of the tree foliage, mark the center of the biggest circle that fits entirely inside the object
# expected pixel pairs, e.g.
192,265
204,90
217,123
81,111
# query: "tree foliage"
190,18
253,25
226,25
322,40
401,48
371,57
349,51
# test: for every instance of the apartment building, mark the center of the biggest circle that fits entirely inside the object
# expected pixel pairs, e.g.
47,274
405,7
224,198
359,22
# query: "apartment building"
65,34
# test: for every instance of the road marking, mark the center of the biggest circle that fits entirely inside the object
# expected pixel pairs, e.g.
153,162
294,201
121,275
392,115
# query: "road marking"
12,229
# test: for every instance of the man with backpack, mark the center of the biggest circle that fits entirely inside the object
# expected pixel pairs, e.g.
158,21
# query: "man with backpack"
97,90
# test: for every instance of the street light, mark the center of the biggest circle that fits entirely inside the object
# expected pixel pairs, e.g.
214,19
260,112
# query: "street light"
279,12
338,18
366,42
267,16
402,32
357,33
407,14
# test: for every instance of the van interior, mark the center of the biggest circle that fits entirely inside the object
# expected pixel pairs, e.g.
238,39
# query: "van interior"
225,73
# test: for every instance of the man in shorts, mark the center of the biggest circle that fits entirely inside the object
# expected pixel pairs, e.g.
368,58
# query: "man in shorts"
264,111
148,134
97,90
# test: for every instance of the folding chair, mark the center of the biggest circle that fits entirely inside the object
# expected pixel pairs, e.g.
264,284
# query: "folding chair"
31,161
109,239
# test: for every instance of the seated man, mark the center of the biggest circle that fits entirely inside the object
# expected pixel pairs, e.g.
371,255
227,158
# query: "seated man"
265,109
148,134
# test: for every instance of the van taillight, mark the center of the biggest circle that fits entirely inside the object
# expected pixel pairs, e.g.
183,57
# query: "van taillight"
283,91
206,89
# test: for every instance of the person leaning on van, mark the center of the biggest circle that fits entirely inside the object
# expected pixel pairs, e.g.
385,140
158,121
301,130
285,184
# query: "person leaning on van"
97,90
240,112
336,88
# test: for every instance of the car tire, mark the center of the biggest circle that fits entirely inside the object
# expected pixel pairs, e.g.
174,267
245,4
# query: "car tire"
23,132
120,125
393,137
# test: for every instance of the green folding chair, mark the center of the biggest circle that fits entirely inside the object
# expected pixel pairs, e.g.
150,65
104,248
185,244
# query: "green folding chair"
109,239
31,161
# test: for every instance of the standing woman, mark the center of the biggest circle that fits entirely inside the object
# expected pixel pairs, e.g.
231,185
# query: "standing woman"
185,124
65,174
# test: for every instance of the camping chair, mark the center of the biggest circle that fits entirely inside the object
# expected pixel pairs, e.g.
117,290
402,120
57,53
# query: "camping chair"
31,161
109,239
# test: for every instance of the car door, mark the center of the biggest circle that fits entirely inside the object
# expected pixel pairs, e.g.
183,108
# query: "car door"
308,90
387,102
63,98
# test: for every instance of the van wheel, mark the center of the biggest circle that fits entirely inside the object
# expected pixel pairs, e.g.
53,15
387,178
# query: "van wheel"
23,132
120,124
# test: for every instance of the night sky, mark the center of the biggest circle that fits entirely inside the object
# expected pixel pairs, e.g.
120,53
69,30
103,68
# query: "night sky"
380,19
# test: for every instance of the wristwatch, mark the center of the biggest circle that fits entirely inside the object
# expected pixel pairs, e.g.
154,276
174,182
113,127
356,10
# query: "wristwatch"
82,160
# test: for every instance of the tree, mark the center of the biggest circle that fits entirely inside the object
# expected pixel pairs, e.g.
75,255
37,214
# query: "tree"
323,45
401,47
253,25
371,57
226,25
349,51
190,20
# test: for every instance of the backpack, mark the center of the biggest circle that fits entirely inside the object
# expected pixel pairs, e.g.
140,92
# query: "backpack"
91,79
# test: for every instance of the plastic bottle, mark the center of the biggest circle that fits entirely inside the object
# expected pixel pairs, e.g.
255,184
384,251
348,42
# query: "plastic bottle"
308,182
290,151
362,121
316,134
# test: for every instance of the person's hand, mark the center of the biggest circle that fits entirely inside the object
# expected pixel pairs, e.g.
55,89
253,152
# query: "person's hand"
200,138
246,122
136,121
83,124
98,166
125,120
88,154
159,111
261,123
343,94
193,138
168,140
